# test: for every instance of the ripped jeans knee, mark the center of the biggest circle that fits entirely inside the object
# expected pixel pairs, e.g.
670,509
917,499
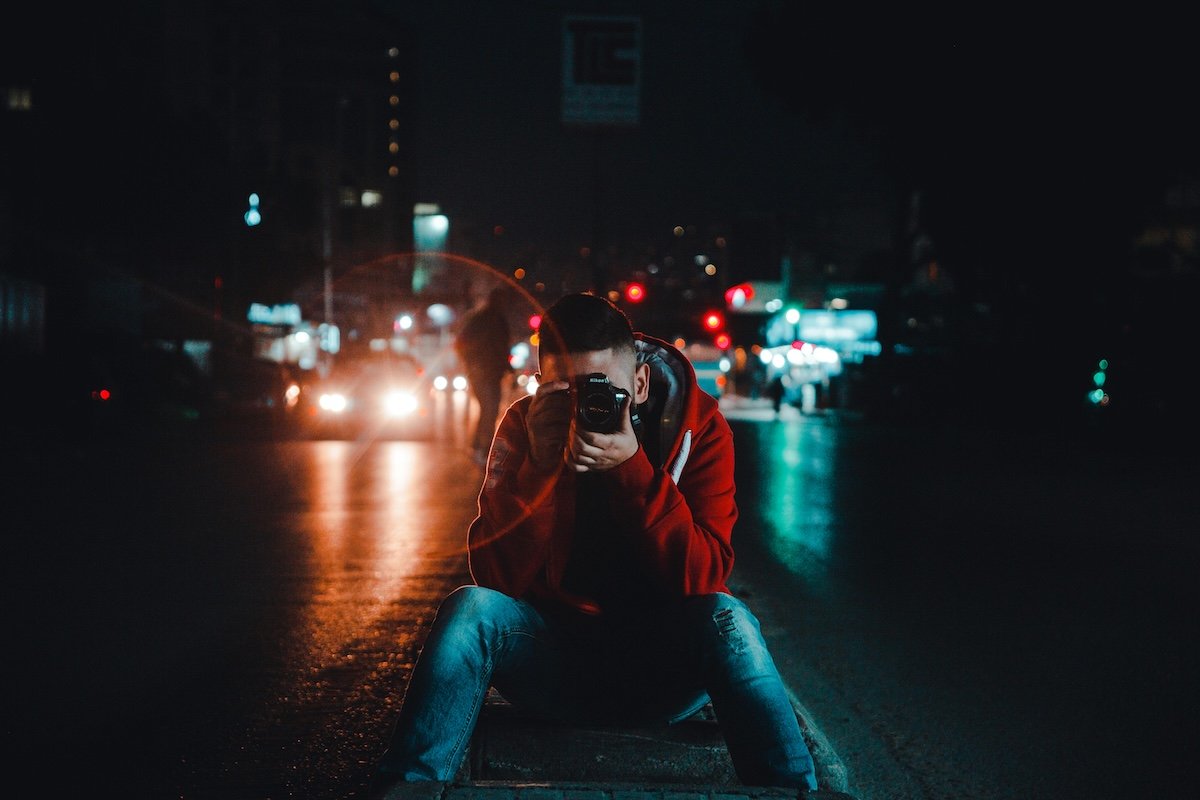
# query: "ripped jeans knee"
728,625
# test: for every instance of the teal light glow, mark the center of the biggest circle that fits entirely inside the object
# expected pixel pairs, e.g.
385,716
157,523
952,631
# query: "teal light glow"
253,216
799,485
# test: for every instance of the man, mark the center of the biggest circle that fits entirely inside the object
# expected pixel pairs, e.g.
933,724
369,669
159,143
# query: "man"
600,562
482,346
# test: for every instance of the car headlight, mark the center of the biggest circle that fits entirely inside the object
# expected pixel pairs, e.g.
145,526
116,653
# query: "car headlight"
399,404
333,402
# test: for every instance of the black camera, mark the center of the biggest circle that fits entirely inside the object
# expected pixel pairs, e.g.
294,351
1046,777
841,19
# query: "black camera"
598,403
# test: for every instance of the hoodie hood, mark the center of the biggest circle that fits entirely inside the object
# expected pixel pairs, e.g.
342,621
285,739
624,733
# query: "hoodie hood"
676,404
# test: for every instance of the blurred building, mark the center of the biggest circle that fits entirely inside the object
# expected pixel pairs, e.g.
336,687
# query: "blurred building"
166,166
180,161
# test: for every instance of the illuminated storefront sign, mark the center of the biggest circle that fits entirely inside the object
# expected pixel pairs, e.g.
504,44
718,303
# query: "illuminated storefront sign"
279,314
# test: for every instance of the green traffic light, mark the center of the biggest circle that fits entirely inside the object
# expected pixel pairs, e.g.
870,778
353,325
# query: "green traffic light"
253,216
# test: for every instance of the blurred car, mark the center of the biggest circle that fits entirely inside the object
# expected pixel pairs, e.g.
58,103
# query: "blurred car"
446,372
253,390
134,385
384,396
121,387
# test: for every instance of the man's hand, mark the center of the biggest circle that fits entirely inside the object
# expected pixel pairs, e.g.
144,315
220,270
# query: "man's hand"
549,424
599,452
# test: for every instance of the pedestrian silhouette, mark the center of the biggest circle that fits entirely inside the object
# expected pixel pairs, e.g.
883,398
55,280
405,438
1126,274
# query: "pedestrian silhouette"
483,346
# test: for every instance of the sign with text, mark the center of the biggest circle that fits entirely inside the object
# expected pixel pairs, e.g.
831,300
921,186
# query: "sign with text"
601,70
278,314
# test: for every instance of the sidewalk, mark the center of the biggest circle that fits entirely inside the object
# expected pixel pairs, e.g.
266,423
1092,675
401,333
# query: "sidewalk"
485,790
515,758
509,746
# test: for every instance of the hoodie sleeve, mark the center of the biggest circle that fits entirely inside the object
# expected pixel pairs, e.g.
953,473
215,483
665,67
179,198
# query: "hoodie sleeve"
509,542
685,528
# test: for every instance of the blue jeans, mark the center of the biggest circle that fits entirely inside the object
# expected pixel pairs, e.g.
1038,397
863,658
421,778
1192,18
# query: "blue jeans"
661,667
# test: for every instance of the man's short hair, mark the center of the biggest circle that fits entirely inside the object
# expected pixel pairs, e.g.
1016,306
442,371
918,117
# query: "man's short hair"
584,323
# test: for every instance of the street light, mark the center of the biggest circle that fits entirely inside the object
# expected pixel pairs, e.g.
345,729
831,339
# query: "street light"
253,216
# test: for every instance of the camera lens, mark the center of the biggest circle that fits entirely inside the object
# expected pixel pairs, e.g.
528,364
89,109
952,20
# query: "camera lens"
596,410
598,403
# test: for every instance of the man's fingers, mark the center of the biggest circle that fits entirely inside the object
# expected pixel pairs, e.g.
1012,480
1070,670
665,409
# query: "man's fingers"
551,387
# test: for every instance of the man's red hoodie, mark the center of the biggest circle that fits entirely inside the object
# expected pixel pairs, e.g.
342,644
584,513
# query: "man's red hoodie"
656,527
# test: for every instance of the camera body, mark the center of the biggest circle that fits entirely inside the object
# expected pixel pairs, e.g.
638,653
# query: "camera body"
598,403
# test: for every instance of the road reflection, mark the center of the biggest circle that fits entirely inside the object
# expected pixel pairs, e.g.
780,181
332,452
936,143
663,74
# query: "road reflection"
454,415
375,535
787,492
799,462
373,527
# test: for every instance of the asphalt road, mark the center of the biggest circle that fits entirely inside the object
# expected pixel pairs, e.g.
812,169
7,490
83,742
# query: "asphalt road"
991,614
965,614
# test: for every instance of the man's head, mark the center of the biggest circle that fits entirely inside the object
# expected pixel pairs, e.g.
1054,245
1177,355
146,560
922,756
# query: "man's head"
583,333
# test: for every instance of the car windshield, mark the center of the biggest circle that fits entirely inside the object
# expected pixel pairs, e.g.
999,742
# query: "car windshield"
395,370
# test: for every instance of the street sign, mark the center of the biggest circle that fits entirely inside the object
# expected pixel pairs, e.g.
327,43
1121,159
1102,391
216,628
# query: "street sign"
601,70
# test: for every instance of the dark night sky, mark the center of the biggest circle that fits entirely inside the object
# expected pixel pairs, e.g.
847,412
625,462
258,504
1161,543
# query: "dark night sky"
1028,136
1043,145
710,143
1043,148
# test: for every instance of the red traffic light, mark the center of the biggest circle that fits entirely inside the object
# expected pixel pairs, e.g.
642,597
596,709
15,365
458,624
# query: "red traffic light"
635,292
737,296
713,320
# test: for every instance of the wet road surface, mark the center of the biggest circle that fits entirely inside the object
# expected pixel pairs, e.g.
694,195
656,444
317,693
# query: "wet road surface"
981,614
978,615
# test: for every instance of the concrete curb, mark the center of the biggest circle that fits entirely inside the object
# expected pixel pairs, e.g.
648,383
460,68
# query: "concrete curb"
831,770
503,790
509,748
